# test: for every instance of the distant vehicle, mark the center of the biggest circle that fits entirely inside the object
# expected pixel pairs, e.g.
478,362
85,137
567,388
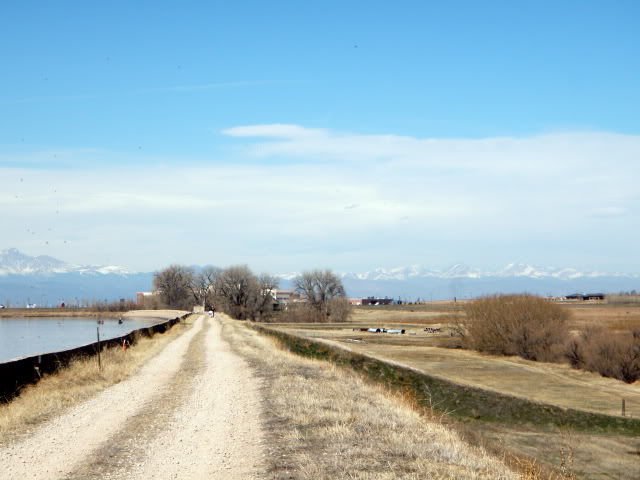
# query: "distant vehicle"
1,306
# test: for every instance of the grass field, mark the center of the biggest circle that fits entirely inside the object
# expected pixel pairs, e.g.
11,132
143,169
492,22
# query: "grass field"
616,316
599,455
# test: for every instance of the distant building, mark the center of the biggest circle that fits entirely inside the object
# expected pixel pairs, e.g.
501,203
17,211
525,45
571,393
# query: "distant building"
284,298
141,296
586,296
355,301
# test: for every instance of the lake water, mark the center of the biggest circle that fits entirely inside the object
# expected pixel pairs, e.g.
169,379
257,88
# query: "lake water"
25,337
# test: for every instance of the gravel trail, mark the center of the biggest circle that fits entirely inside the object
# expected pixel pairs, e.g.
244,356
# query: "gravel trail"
191,413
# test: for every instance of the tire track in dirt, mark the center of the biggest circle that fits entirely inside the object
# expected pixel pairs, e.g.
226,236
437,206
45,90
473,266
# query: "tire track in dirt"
126,448
192,413
216,432
57,448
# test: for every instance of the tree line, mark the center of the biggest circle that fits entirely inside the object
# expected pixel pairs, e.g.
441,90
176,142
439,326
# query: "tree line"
244,295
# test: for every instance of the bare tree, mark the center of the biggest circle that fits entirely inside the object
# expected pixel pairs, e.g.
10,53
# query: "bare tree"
173,284
236,288
322,289
264,296
203,286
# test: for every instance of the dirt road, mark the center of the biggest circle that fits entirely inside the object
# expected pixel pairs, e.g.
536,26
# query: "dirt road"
191,413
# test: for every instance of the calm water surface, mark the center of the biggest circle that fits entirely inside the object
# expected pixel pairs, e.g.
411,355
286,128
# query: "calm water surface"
24,337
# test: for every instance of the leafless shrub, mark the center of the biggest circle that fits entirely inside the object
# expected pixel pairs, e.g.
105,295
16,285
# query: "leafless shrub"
624,298
115,306
151,302
296,313
337,310
522,325
611,354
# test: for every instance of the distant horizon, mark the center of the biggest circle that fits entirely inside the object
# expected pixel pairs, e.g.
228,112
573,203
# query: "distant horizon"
379,268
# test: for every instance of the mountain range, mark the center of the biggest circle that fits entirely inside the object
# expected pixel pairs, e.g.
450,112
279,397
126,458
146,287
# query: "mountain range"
462,271
14,262
47,280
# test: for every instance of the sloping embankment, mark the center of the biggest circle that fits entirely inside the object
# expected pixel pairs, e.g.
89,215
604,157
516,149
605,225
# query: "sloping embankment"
461,401
18,373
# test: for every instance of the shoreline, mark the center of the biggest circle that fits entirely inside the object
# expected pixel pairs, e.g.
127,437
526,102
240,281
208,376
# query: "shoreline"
55,312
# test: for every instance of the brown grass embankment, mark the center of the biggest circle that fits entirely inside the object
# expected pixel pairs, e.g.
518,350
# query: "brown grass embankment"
78,382
325,422
570,441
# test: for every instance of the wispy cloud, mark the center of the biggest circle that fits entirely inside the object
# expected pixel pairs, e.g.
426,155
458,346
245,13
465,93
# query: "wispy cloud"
343,200
277,130
558,152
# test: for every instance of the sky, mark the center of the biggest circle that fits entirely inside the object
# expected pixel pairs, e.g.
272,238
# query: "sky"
294,135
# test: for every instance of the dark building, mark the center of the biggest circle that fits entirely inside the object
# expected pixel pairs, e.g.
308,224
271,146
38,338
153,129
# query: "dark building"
377,301
585,296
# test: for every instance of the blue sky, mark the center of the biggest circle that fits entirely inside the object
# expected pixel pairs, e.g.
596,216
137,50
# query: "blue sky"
351,135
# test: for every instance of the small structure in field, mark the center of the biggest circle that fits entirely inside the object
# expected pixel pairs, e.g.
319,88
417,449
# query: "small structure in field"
585,296
377,301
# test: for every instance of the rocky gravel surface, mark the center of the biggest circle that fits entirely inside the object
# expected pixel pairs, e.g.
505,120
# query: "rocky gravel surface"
193,412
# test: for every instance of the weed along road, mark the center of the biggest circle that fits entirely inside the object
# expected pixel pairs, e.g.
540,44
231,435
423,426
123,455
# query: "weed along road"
191,413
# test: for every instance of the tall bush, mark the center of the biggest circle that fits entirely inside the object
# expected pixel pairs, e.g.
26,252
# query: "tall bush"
611,354
522,325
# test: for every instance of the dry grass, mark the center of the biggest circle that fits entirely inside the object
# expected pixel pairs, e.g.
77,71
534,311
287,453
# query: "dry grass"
329,423
590,455
422,314
611,316
579,455
76,383
583,314
564,386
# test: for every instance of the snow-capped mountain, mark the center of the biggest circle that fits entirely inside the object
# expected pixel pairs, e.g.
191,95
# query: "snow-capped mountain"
14,262
47,281
460,271
462,281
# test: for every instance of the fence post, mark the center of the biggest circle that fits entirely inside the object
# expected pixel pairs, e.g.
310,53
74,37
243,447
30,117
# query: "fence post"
623,408
99,360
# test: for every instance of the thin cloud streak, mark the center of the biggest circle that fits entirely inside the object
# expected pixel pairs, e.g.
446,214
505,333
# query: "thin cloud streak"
547,153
